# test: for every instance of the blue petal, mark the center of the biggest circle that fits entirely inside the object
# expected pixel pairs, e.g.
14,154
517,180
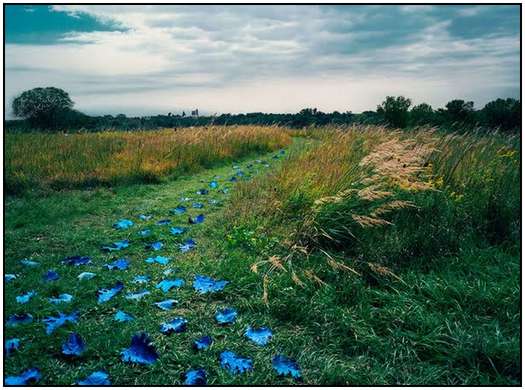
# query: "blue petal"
198,219
286,366
19,319
141,279
167,304
24,298
158,259
144,233
53,323
187,245
29,263
204,284
197,205
120,316
51,276
74,346
226,316
27,377
164,222
116,246
9,277
260,336
119,264
179,210
144,217
86,276
214,184
62,298
11,346
77,260
157,245
177,325
166,285
176,230
195,377
140,351
202,343
105,294
235,364
202,191
123,224
137,296
98,378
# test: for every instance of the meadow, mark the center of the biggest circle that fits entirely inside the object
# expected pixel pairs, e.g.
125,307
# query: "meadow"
375,256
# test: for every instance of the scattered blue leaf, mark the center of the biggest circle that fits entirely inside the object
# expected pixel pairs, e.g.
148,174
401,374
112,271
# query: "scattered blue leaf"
202,191
9,277
239,173
141,279
213,201
167,272
195,377
202,343
140,351
106,294
164,222
185,199
11,345
116,246
123,224
235,364
29,263
144,217
19,319
137,296
187,245
166,305
29,376
77,260
156,246
179,210
51,275
204,284
177,325
74,345
226,316
282,151
198,219
260,336
62,298
166,285
144,233
197,205
158,259
24,298
86,276
53,323
176,230
98,378
233,179
119,264
286,366
121,316
213,184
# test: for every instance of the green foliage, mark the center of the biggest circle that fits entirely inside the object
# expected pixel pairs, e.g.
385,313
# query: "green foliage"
395,111
422,114
459,111
502,113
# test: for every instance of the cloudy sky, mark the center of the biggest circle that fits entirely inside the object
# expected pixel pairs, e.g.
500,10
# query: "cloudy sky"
139,60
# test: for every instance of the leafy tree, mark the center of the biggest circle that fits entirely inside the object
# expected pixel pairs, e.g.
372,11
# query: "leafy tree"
502,113
459,110
422,114
42,106
395,110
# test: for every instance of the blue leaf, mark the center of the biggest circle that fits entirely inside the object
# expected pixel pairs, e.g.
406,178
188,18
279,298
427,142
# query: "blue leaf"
137,296
198,219
226,316
185,199
119,264
260,336
204,284
144,233
233,179
213,184
77,260
120,316
164,222
9,277
74,345
187,245
140,351
202,191
195,377
239,173
167,272
29,376
123,224
98,378
235,364
53,323
213,201
177,325
51,275
24,298
62,298
178,210
197,205
86,276
166,285
105,294
11,345
19,319
144,217
156,246
166,305
29,263
202,343
116,246
141,279
158,259
286,366
176,230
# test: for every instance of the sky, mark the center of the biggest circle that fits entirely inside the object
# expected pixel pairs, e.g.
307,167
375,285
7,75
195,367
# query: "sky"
150,59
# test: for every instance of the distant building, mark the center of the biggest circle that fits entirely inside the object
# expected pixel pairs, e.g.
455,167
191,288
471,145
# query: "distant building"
195,112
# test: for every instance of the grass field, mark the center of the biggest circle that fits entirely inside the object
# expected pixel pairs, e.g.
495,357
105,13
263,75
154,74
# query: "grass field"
375,257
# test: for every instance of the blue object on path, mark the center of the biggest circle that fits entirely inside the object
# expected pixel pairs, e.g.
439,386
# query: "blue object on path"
202,343
286,366
77,260
204,284
177,325
97,378
74,346
166,305
51,276
260,336
116,246
166,285
29,376
120,316
106,294
176,230
226,316
178,210
156,246
62,298
24,298
11,345
123,224
158,259
86,276
195,377
234,363
119,264
53,323
140,351
19,319
198,219
137,296
187,245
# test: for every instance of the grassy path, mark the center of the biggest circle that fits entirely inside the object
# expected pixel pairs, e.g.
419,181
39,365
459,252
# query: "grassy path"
77,223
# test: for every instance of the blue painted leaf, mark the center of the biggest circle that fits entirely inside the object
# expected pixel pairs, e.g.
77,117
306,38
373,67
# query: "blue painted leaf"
62,298
286,366
197,205
204,284
140,351
225,190
156,246
198,219
9,277
29,376
166,305
11,345
176,230
202,343
260,336
119,264
178,210
195,377
74,345
164,222
213,201
24,298
185,199
167,272
98,378
144,233
53,323
77,260
239,173
166,285
144,217
226,316
51,275
141,279
137,296
86,276
233,179
177,325
19,319
213,184
158,259
116,246
202,191
235,364
120,316
123,224
187,245
106,294
29,263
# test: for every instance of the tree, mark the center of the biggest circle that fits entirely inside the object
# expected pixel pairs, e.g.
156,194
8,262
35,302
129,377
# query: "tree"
395,110
503,113
42,106
422,114
459,110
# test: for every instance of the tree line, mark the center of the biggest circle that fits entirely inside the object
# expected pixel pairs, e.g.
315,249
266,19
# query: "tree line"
51,109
